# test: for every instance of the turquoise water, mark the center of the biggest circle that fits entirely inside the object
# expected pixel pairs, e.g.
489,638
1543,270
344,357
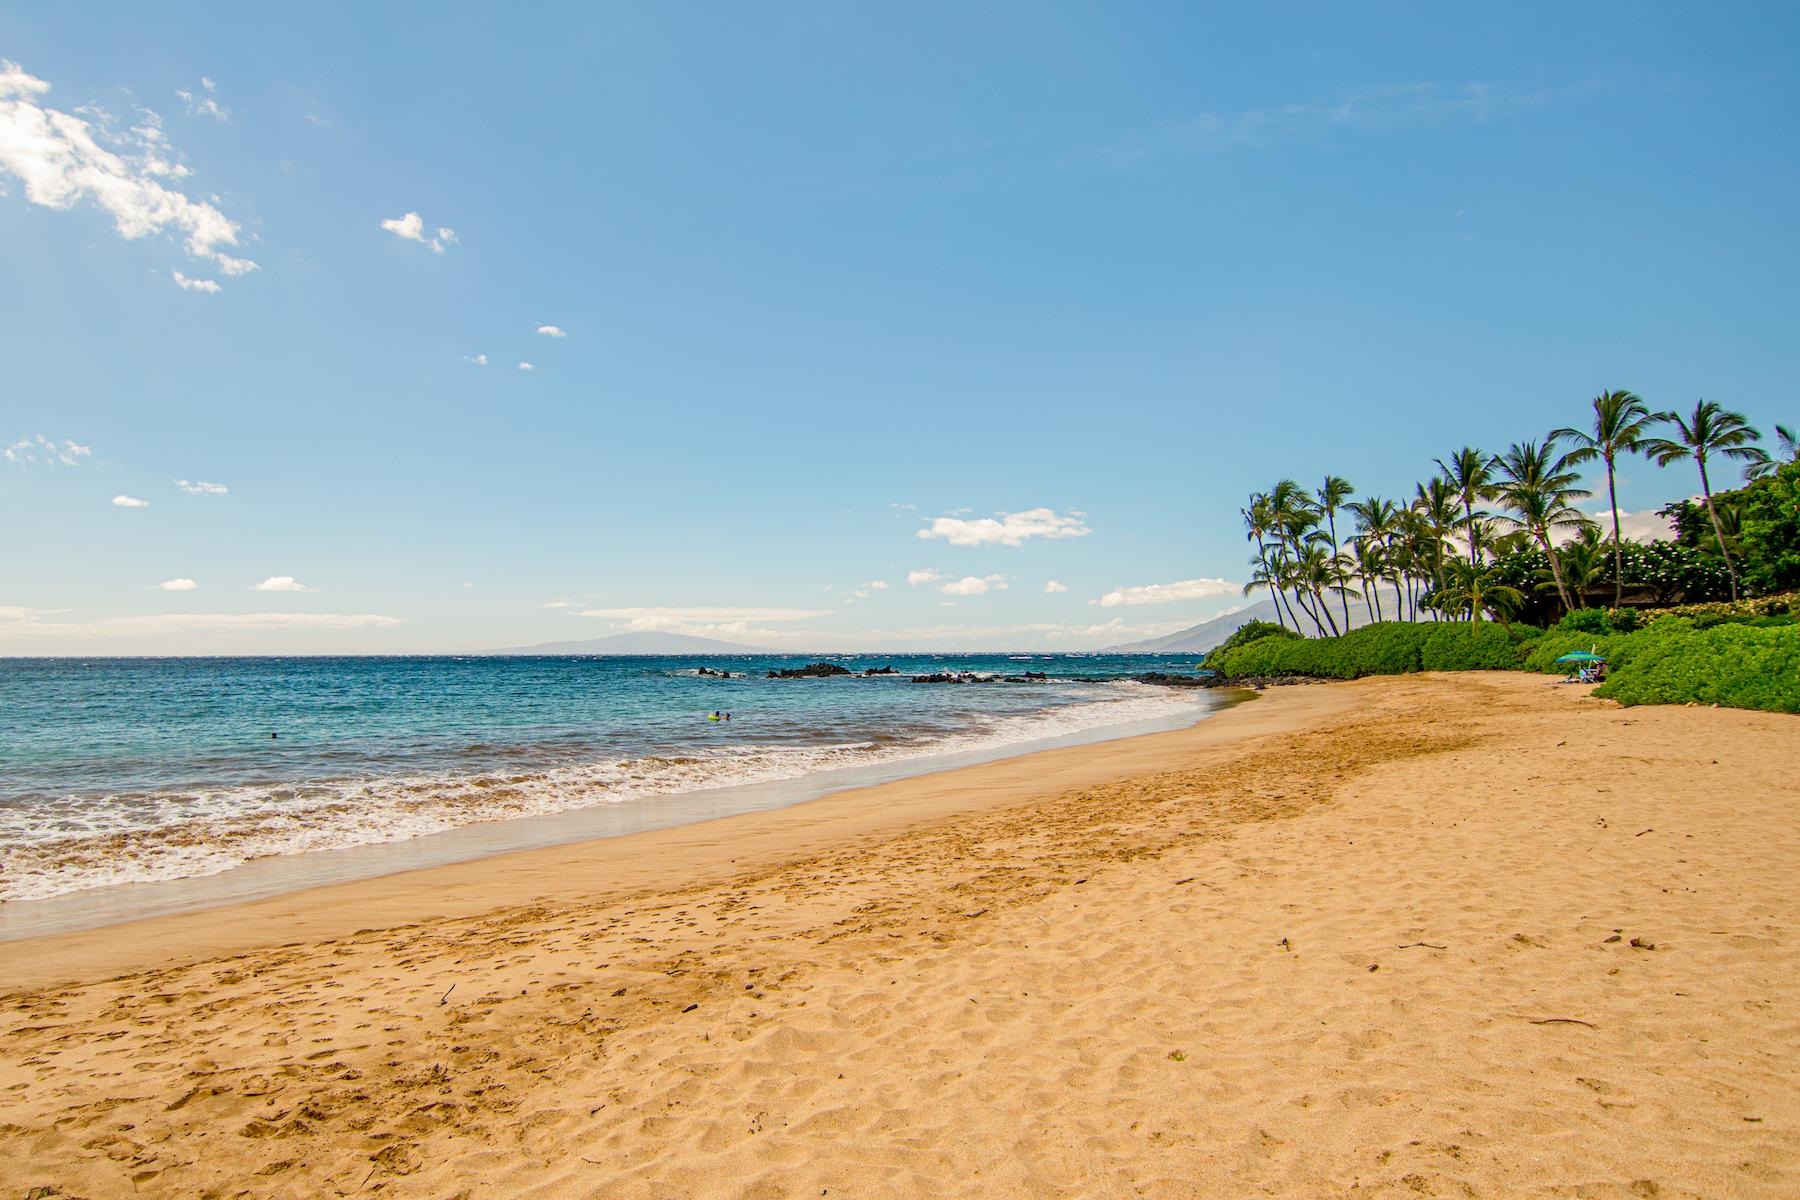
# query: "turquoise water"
132,770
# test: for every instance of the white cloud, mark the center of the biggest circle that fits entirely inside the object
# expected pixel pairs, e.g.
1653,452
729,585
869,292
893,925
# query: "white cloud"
64,159
177,585
551,331
924,575
1168,593
129,502
40,449
281,583
1634,526
975,585
1009,529
479,360
202,103
559,604
202,488
411,228
1055,586
525,366
209,286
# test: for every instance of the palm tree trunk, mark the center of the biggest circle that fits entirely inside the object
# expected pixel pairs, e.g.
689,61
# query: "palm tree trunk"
1718,529
1612,496
1562,590
1307,609
1325,607
1366,605
1331,520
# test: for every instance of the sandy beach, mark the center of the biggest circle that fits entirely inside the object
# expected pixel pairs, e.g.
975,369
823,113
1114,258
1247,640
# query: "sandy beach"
1472,935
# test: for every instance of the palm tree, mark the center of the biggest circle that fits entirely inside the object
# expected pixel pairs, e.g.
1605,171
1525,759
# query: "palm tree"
1622,424
1478,589
1469,472
1259,524
1435,503
1767,464
1371,567
1332,496
1538,485
1711,432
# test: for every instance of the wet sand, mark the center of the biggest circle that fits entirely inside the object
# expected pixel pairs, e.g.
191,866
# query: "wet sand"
1444,935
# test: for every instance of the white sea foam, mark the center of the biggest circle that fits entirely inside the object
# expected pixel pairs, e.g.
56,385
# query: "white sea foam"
80,843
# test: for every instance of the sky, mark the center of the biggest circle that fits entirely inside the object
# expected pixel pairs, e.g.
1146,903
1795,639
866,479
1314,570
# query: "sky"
397,329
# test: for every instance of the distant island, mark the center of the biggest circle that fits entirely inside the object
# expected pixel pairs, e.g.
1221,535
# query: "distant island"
647,642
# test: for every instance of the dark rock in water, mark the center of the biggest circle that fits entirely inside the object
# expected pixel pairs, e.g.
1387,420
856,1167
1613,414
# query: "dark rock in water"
880,671
1187,681
1027,677
958,677
713,673
810,671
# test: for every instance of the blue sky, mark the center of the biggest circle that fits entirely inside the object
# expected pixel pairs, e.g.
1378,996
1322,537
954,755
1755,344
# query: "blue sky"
981,296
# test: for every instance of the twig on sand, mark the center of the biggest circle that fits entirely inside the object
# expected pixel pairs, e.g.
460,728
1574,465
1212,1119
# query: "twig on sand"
1564,1021
1427,945
445,998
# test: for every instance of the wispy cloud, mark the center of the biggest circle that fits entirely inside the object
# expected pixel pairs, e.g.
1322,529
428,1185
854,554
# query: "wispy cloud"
129,502
209,286
203,103
411,228
559,604
525,366
131,173
552,331
688,619
923,575
1054,587
479,360
177,585
40,449
202,488
1008,529
281,583
1168,593
865,591
1211,132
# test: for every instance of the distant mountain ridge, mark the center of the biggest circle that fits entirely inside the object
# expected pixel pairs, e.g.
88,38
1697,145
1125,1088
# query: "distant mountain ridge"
643,642
1197,639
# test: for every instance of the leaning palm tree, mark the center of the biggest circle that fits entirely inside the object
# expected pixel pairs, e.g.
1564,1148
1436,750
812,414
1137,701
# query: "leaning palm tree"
1537,485
1331,496
1622,424
1469,472
1710,432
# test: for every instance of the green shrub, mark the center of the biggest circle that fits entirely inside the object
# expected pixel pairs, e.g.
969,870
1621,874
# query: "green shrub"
1384,648
1467,647
1739,666
1250,631
1623,620
1585,620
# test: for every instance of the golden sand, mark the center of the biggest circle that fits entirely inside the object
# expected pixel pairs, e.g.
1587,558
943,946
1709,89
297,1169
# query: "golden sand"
1474,935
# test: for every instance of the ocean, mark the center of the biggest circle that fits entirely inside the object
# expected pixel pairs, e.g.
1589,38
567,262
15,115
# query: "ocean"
131,771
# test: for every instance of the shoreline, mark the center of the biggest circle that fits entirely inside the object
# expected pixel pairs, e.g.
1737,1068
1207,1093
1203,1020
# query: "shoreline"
646,859
1438,934
276,875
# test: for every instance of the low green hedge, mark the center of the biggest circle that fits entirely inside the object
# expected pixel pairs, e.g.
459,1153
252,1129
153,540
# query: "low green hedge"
1739,666
1673,660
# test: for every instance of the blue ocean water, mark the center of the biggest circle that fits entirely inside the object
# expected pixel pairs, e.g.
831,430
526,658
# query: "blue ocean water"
127,770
